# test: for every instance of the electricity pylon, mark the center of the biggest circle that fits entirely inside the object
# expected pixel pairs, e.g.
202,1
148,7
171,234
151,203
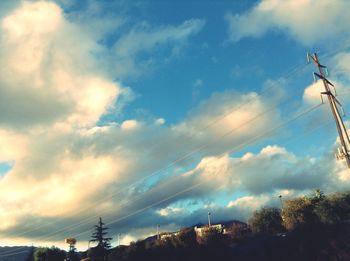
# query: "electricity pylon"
343,152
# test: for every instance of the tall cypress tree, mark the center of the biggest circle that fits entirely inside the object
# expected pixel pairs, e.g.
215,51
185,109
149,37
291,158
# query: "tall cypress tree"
99,235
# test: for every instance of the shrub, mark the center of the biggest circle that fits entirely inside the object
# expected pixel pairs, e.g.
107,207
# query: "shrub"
266,220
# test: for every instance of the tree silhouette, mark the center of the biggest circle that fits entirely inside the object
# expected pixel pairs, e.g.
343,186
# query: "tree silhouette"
99,236
49,254
103,243
266,220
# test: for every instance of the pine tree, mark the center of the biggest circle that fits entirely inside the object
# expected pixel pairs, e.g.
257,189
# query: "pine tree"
99,236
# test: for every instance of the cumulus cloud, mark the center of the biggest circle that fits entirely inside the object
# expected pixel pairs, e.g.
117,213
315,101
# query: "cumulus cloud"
304,25
47,70
50,93
260,178
225,119
65,160
53,94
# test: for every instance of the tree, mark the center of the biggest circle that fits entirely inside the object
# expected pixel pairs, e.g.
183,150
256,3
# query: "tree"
266,220
49,254
238,232
317,197
99,235
342,202
72,254
333,209
298,212
186,238
103,242
213,237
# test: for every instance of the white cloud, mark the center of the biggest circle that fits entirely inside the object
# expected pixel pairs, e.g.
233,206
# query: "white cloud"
160,121
248,204
13,146
312,93
50,112
304,25
67,160
342,63
225,119
170,211
54,69
129,124
50,86
274,150
145,38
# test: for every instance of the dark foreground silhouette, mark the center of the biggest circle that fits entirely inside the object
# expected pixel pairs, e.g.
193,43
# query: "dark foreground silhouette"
316,242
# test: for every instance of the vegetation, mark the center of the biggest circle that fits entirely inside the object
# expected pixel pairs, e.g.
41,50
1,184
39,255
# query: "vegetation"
49,254
72,255
267,220
100,252
308,228
318,208
238,233
314,227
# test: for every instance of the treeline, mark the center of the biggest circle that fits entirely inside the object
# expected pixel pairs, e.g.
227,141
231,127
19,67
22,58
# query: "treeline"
303,211
314,227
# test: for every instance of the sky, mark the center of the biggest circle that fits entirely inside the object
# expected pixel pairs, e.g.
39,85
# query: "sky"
156,112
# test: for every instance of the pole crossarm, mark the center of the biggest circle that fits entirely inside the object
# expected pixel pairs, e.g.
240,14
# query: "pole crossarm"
344,151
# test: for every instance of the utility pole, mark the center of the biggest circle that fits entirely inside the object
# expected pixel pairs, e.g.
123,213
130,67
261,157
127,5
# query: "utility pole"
280,197
158,236
343,152
209,223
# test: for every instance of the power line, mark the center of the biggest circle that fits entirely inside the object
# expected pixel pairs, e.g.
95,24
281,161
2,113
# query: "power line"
299,115
187,155
183,157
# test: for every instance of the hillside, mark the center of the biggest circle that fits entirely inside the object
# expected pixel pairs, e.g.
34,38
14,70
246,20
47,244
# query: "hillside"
319,242
23,253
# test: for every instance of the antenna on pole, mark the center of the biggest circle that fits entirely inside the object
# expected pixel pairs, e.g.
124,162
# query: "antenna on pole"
343,152
280,197
158,236
209,223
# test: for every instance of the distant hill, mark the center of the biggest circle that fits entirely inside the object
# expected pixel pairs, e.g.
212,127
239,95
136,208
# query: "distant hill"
17,253
224,223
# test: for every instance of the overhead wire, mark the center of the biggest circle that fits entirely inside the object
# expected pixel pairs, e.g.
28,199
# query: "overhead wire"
303,113
182,157
187,155
287,75
299,115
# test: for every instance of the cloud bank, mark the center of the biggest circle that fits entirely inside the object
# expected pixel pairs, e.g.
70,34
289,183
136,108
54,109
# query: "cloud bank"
306,21
69,167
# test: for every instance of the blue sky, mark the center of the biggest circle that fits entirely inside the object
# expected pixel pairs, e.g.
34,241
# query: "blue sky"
156,112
